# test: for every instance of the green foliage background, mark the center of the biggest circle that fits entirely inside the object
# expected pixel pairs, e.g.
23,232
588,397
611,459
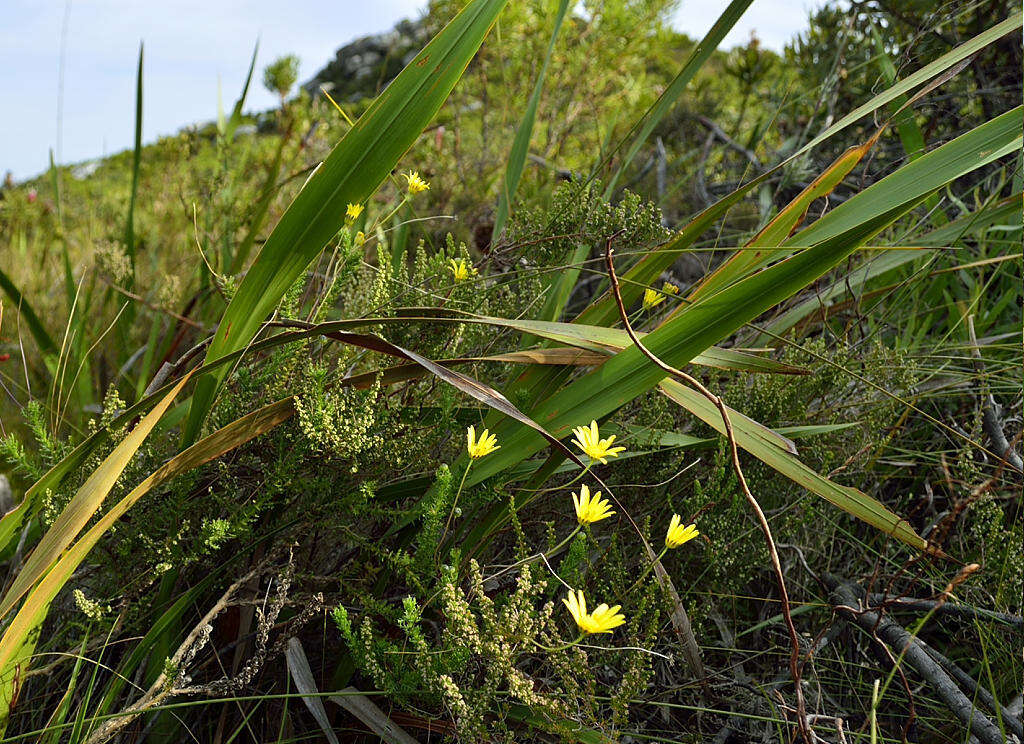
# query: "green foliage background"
346,526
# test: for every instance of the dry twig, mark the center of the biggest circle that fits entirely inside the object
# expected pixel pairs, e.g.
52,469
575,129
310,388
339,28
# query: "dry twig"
991,419
846,598
794,658
174,680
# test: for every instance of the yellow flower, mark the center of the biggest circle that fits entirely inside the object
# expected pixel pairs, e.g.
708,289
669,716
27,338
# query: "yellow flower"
461,269
352,212
677,534
590,509
485,445
415,183
602,620
652,298
359,239
589,440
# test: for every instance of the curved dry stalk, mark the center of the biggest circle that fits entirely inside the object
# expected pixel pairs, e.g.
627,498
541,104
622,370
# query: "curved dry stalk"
163,686
794,657
174,680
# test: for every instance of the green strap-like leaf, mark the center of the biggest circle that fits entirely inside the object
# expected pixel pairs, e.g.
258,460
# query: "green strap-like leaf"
700,54
926,73
920,177
629,373
602,311
778,230
352,172
848,499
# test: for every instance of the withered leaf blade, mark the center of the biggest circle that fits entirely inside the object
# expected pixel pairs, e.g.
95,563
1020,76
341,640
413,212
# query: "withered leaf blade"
402,372
464,383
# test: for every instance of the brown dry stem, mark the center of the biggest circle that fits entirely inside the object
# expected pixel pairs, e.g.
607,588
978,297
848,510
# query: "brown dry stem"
794,658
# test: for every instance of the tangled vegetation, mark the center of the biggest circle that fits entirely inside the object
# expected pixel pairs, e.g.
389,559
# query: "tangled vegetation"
582,384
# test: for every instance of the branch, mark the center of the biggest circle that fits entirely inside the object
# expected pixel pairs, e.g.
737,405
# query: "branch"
969,685
846,598
699,182
928,605
729,141
990,409
563,173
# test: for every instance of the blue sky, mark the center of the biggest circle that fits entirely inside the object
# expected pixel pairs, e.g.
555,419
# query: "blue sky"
190,45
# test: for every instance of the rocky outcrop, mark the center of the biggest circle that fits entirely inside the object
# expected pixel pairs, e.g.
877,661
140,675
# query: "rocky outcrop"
6,497
363,67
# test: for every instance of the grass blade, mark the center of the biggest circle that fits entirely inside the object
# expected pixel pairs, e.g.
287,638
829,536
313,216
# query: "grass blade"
236,112
906,126
259,212
926,73
352,172
848,499
984,144
366,710
298,666
83,505
822,300
779,229
700,54
19,640
35,326
129,230
521,142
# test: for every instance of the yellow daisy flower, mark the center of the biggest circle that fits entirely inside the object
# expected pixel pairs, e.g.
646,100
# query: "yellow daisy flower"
485,445
602,620
652,298
352,212
590,509
415,183
589,440
678,534
461,269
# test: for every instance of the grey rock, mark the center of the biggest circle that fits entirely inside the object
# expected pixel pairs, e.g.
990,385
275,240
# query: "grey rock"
362,68
6,497
86,169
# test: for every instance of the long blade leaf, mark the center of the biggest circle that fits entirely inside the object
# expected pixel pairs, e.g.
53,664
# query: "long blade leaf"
521,142
352,172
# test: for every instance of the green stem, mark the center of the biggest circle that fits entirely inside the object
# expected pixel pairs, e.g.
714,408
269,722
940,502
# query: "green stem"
570,536
578,477
563,647
392,213
646,571
455,503
551,553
